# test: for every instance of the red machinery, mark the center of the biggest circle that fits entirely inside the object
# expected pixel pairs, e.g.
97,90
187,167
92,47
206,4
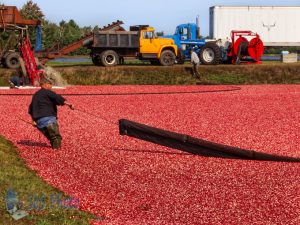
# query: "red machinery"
12,21
15,25
242,48
10,18
32,72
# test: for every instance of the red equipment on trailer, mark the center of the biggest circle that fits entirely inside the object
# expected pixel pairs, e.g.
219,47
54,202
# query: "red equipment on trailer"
242,48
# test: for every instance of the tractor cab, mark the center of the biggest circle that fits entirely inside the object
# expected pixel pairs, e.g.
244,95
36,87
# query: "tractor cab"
187,37
186,31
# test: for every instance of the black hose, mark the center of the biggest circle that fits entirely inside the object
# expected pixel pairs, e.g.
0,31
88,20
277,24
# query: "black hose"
194,145
133,93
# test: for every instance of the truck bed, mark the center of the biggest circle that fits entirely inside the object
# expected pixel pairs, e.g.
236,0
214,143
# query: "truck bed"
116,39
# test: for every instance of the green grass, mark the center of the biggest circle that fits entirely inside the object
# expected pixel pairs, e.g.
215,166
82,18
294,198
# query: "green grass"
276,73
90,63
136,72
67,64
14,174
4,76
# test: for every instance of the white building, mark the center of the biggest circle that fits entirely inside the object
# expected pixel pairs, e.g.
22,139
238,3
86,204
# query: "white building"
277,26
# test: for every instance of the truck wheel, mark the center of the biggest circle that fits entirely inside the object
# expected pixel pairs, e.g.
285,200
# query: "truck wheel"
154,62
97,60
167,58
12,60
109,58
180,57
210,54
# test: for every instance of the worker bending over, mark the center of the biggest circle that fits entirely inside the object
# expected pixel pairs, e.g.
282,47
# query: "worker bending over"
195,61
43,111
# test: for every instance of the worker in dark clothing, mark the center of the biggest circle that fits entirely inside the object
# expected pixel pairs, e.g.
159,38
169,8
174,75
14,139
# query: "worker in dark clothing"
17,80
43,111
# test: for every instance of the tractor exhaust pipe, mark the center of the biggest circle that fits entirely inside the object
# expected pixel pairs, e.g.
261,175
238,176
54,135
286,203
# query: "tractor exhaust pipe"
198,28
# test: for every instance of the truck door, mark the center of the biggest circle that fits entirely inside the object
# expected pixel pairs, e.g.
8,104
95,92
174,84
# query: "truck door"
147,42
184,33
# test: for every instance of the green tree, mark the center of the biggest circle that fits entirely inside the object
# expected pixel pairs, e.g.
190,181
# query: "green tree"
32,11
51,34
71,32
87,30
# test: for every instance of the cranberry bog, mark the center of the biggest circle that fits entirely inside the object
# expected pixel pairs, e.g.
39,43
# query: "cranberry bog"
128,181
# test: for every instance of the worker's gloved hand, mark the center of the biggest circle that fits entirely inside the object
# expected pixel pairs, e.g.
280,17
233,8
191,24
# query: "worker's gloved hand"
71,106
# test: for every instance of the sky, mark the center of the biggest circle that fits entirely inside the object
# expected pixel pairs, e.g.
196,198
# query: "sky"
163,15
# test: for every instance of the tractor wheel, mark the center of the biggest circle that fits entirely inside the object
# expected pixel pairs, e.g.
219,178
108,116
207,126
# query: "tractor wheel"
3,62
167,58
3,59
23,68
12,60
109,58
210,54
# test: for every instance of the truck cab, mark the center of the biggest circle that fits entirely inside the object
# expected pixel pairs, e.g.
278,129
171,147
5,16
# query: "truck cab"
158,50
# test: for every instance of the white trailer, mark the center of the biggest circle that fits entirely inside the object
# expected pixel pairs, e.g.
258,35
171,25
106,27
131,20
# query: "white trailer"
277,26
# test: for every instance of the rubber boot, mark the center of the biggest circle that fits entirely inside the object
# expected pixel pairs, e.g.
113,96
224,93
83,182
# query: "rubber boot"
54,135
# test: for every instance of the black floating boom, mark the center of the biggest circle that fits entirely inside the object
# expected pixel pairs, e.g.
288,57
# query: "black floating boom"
194,145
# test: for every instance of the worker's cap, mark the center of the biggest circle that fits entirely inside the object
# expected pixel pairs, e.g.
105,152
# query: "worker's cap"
45,80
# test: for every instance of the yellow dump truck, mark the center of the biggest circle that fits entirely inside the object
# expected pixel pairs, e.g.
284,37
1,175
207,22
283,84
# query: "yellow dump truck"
110,48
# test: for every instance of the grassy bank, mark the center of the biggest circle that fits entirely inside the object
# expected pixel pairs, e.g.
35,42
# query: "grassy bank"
33,192
268,73
85,74
4,76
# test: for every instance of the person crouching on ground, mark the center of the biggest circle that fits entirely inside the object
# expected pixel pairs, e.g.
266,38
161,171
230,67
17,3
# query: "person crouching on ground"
195,61
43,111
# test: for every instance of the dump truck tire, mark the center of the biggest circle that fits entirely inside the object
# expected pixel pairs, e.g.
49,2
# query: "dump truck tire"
180,57
210,54
96,59
109,58
167,58
12,60
154,62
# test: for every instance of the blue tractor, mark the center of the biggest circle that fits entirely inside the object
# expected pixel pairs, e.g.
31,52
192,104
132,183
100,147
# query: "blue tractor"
187,36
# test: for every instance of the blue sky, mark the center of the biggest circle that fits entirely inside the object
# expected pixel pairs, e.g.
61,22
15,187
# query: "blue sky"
164,15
